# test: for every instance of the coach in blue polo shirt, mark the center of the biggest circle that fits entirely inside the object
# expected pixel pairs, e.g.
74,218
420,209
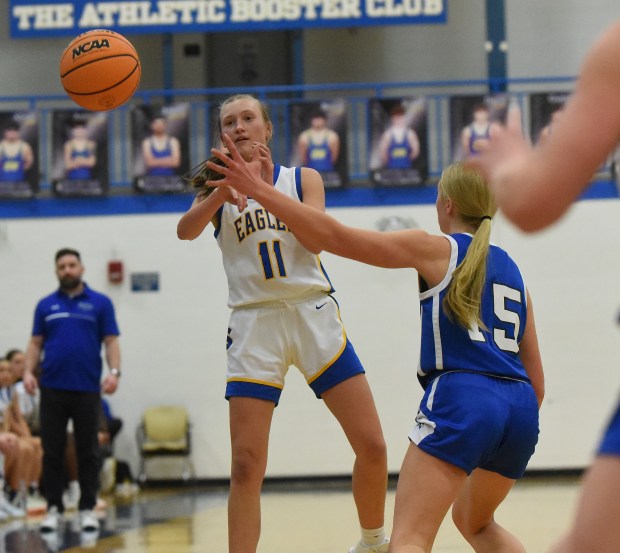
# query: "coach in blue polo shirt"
70,325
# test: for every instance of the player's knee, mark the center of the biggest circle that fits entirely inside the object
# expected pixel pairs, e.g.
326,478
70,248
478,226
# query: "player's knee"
373,450
247,466
27,450
463,520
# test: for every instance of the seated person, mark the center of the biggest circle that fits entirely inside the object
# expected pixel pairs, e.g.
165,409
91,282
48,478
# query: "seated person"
25,471
9,457
28,403
110,427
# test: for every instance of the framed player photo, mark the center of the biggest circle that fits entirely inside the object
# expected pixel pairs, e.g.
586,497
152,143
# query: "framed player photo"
160,139
545,108
472,118
19,154
79,153
319,139
398,154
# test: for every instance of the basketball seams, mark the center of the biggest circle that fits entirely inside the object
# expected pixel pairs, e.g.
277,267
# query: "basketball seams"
100,59
115,78
108,88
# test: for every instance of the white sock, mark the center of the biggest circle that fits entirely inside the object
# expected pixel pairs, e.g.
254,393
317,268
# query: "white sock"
373,537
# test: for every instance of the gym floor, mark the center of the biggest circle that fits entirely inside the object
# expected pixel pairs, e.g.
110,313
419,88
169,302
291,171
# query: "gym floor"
300,517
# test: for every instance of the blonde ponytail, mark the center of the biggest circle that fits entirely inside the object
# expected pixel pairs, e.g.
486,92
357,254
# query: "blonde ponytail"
475,206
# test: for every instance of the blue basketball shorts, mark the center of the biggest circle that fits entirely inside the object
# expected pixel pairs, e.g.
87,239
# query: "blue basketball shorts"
264,341
473,421
610,444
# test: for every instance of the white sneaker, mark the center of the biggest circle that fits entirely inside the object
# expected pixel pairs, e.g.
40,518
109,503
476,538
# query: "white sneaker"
12,511
52,540
35,505
360,547
51,522
89,521
88,539
71,497
126,490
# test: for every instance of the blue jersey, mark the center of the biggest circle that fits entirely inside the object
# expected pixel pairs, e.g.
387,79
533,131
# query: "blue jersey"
447,346
12,167
80,173
475,135
399,152
166,151
320,156
73,329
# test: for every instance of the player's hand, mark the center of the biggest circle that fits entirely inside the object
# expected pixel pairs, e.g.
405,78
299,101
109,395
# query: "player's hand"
262,155
243,176
506,147
240,200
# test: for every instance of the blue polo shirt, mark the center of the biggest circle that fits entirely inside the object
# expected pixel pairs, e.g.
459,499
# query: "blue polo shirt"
73,329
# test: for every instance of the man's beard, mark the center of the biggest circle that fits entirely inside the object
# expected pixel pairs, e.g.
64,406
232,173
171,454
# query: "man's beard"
70,283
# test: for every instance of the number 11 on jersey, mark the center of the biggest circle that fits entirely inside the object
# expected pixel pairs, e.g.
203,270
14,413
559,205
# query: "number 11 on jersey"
266,258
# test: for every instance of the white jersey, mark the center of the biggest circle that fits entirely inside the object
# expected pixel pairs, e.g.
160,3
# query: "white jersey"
263,260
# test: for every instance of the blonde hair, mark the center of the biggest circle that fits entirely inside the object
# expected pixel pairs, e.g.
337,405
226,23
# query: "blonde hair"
475,206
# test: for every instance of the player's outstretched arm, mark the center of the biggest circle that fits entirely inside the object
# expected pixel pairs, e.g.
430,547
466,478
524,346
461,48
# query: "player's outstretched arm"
319,231
535,186
203,210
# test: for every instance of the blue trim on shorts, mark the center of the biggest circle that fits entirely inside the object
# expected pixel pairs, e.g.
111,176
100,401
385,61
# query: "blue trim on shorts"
347,365
238,388
610,444
477,420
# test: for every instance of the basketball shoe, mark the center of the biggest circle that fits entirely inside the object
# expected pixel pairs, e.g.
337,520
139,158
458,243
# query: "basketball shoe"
361,547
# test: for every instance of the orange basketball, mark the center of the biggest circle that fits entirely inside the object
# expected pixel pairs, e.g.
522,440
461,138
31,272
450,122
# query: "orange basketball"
100,70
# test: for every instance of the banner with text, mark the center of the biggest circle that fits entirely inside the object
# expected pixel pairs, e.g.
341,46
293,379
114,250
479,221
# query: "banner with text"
44,18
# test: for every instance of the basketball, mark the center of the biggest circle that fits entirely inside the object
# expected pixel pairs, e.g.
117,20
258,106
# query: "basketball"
100,70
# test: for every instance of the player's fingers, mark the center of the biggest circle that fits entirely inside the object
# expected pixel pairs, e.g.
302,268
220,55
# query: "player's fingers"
495,132
221,155
220,183
242,202
227,141
221,169
264,150
513,120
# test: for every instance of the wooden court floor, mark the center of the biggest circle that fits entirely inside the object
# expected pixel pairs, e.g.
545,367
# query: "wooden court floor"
194,521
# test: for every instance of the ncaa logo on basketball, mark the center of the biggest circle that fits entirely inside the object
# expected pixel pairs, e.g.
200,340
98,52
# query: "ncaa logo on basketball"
89,46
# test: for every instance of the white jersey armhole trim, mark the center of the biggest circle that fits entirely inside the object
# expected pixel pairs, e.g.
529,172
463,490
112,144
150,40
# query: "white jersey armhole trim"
454,253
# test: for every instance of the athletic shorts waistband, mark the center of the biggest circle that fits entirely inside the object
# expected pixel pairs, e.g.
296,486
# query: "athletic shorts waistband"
278,304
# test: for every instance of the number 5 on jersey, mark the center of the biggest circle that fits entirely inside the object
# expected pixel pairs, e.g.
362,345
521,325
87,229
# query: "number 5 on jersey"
267,255
504,342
